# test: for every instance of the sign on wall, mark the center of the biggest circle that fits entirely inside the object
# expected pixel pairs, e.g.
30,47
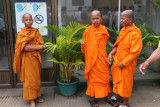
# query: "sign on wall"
30,0
38,10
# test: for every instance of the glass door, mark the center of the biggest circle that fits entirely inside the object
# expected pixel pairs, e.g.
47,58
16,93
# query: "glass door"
6,76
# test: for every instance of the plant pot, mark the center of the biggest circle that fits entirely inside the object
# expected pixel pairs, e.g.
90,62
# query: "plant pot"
68,89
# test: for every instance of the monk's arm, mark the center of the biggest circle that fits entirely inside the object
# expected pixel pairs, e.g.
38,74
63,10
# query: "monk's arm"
135,49
113,51
30,48
110,55
154,57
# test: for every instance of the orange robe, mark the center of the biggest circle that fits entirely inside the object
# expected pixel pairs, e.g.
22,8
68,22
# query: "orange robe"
28,64
96,66
129,45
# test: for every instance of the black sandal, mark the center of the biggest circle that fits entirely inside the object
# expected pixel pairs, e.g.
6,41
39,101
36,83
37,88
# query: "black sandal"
113,102
93,103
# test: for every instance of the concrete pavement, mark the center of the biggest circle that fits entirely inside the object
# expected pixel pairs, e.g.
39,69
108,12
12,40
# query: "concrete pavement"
145,94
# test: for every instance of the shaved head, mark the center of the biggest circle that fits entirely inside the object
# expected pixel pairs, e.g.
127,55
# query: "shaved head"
96,12
26,14
129,13
127,18
96,17
27,20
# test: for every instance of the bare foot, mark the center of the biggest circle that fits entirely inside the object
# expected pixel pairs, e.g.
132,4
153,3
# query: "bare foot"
32,103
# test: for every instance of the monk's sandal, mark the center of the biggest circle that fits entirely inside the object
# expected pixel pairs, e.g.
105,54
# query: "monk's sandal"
114,98
113,103
93,103
39,100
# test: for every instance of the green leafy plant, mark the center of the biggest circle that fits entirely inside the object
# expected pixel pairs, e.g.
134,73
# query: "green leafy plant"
149,37
112,31
114,34
66,51
158,2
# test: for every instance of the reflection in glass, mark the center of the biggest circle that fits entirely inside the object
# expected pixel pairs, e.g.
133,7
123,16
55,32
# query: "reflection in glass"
152,15
69,10
145,11
3,45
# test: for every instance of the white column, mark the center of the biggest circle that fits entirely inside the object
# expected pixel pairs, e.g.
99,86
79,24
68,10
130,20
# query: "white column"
119,14
59,14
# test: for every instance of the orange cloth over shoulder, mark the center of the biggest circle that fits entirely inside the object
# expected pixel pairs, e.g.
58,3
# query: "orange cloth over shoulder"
28,64
96,66
129,45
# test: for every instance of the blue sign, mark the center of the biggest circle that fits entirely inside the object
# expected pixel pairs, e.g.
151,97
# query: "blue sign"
30,0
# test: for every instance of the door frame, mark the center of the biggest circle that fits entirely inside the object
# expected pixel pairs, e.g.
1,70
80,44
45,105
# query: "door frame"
8,37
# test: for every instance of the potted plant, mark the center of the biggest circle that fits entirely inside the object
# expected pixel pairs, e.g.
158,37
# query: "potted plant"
66,51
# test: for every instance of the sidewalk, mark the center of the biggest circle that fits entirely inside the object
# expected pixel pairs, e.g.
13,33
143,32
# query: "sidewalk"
145,94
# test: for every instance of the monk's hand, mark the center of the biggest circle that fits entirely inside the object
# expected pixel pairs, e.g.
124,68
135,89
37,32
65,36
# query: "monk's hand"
121,65
143,66
109,58
42,47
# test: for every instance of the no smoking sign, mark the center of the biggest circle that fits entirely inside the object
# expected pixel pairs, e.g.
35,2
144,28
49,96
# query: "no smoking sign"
38,19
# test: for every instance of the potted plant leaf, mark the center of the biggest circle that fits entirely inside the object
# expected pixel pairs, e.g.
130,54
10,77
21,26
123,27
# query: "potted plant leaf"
66,51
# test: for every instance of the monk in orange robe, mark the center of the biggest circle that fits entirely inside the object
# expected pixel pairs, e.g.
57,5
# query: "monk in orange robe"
125,50
27,60
96,66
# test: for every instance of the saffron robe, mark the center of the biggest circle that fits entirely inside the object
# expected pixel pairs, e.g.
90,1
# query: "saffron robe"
28,64
129,45
96,66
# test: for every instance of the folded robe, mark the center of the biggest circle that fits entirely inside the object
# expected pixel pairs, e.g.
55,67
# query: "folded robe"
96,66
28,64
129,45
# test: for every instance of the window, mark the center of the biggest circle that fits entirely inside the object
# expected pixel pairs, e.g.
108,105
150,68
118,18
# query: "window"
79,10
77,2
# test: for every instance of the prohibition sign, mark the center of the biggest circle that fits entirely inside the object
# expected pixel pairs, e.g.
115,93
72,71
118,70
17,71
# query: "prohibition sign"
39,19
